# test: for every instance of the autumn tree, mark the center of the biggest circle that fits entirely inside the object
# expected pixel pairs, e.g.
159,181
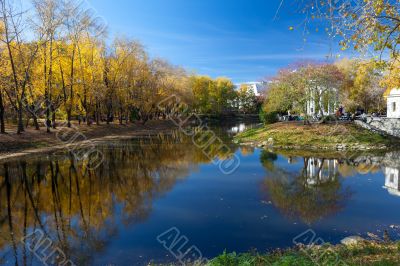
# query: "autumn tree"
323,82
287,92
49,19
357,23
77,25
362,86
301,84
247,100
201,86
215,96
68,70
3,83
391,77
20,56
90,72
222,94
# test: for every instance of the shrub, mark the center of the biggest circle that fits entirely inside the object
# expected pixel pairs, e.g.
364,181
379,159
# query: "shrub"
329,118
269,118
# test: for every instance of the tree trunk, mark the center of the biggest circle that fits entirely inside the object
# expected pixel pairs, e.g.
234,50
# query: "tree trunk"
48,121
69,117
50,83
120,116
97,114
71,92
145,118
2,124
46,91
87,117
53,119
109,112
20,120
35,122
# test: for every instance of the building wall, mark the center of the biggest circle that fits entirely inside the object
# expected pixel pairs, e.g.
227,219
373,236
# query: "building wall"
312,106
393,109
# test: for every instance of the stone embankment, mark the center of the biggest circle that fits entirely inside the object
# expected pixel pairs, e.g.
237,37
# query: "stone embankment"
383,126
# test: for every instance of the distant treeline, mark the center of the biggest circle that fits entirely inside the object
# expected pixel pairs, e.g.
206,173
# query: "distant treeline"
56,64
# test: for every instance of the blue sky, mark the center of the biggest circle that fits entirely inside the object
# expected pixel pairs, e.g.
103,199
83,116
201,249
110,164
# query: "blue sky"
239,39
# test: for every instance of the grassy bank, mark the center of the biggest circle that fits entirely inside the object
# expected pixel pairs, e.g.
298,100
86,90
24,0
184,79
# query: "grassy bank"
367,253
316,137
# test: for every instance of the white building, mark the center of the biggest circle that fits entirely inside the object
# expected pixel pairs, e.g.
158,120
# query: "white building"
392,183
256,87
393,104
327,99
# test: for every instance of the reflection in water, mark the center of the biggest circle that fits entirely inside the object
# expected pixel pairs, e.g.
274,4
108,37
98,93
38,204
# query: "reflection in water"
238,129
392,183
390,164
85,212
317,191
321,171
80,209
235,129
311,194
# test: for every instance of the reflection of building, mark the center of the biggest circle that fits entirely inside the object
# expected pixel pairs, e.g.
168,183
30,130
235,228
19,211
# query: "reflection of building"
392,183
321,171
238,129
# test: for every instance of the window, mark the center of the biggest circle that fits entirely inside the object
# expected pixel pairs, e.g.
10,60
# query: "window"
394,107
391,178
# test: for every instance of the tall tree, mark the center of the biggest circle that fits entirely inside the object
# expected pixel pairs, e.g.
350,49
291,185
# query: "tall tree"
287,91
49,20
3,83
20,57
362,86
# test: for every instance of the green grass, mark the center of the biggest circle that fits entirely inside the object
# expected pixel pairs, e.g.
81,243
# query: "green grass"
368,253
327,136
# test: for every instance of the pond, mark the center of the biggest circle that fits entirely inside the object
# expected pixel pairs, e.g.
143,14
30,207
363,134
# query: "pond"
151,193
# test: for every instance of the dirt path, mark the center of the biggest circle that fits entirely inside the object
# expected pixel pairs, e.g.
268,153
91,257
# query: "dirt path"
35,142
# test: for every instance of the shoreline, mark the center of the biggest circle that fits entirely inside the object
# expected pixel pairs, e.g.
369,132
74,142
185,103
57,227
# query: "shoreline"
353,251
325,138
13,146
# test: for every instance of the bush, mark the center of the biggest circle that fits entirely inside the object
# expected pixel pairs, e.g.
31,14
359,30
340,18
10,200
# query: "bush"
134,115
269,118
329,118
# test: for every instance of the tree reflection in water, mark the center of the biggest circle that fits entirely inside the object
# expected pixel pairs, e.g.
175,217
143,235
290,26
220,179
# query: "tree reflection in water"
79,209
311,194
83,210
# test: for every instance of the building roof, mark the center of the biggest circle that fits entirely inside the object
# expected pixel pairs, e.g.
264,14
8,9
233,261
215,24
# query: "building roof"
394,93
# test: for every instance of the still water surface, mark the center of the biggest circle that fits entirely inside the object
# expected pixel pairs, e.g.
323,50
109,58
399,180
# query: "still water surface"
113,215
